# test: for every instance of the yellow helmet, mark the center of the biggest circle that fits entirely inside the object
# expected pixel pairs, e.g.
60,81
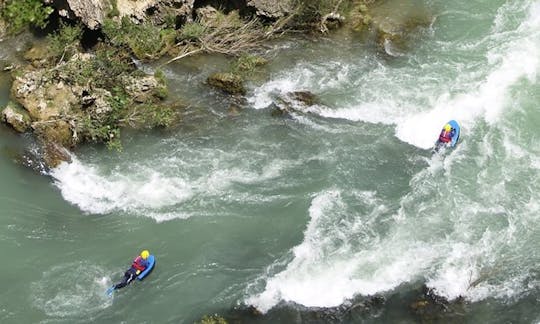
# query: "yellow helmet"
447,127
145,254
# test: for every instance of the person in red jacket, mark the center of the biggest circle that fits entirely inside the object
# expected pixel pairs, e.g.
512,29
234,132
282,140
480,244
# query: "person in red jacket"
446,134
137,266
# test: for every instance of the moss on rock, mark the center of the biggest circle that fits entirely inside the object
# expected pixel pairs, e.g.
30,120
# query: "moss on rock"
229,82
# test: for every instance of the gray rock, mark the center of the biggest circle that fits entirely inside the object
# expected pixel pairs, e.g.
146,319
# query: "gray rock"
93,12
296,101
90,12
271,9
155,10
17,118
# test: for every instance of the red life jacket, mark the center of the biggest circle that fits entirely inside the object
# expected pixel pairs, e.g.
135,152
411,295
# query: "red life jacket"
445,136
138,264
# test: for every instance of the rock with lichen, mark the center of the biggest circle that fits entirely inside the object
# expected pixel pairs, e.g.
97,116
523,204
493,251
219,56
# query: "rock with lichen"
16,117
271,9
229,82
92,13
69,103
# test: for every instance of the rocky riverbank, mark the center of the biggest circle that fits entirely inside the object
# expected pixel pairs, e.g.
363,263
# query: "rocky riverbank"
82,85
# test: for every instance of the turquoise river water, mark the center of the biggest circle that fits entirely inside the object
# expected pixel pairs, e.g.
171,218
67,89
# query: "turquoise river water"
307,212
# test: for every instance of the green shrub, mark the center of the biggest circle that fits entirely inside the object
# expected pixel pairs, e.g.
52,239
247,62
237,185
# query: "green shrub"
192,31
153,115
144,40
110,65
65,41
230,20
20,14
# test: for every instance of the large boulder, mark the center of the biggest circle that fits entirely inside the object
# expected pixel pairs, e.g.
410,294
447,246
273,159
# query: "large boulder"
271,9
17,118
156,10
42,97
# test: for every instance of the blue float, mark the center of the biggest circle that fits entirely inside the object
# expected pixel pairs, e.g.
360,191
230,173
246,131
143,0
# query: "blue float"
151,262
455,126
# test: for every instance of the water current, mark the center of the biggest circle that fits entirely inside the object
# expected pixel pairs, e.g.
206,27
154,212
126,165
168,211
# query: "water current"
314,210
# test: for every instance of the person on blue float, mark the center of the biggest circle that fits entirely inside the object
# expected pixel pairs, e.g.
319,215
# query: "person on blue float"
447,133
137,266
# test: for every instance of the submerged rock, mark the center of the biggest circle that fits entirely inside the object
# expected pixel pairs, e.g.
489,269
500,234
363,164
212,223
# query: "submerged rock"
298,101
228,82
394,22
212,319
430,307
354,311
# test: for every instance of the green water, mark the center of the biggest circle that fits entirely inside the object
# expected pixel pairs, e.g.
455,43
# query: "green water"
308,211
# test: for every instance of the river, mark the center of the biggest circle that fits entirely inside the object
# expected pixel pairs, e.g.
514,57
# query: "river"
306,212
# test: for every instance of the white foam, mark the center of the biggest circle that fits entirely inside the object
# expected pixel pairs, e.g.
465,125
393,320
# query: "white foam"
445,243
512,55
94,192
511,59
154,192
323,273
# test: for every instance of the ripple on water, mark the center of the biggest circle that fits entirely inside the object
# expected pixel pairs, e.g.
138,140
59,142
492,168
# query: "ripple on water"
71,290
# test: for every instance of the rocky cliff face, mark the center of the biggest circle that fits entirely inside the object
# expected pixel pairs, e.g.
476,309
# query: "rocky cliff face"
90,12
93,12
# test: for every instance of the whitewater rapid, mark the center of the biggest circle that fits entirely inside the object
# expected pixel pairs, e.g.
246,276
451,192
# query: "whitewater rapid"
461,241
466,224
